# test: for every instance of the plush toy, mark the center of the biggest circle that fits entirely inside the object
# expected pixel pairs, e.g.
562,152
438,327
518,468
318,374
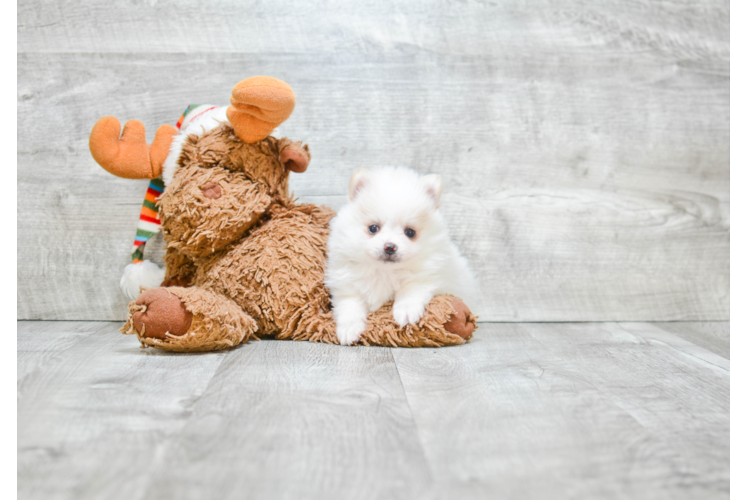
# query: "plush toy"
243,259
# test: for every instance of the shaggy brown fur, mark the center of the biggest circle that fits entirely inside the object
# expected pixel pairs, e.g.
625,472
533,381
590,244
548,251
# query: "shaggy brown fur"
255,259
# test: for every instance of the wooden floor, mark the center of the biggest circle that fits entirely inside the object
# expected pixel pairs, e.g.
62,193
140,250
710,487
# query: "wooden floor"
525,410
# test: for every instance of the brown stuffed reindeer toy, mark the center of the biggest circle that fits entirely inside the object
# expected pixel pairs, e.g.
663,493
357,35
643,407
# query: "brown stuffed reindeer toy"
242,257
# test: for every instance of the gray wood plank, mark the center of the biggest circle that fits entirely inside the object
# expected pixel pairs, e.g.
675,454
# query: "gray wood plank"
94,415
571,411
39,343
297,420
711,335
692,29
587,186
678,345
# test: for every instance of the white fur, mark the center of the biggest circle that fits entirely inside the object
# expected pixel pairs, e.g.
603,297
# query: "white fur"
145,274
203,123
358,275
170,164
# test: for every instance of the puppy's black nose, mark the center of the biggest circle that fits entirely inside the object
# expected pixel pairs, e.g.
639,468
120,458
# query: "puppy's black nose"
390,248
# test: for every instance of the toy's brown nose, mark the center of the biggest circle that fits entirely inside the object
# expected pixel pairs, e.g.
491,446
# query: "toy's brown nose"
390,248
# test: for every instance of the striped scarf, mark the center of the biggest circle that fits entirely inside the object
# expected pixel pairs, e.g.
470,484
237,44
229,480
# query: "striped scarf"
149,223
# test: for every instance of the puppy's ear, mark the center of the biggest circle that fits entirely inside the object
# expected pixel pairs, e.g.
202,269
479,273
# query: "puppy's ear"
433,185
359,180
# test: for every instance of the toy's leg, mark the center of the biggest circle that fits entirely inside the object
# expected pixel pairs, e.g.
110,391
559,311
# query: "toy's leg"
180,269
447,321
187,319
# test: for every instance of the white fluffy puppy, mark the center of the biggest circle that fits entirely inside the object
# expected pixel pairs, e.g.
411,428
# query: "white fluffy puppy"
390,242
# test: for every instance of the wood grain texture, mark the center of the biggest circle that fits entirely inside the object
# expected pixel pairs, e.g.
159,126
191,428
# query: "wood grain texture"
94,415
298,422
713,335
584,150
582,411
571,411
692,29
41,343
101,421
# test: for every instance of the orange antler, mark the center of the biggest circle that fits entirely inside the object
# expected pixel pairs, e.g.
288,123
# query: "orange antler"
129,156
258,105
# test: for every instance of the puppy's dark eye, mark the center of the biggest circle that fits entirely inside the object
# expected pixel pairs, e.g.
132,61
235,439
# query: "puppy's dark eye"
373,228
410,233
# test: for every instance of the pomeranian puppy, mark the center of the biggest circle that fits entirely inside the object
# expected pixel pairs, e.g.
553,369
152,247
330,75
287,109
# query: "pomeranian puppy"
390,242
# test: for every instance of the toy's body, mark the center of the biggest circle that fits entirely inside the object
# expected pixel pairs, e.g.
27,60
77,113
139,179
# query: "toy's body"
242,257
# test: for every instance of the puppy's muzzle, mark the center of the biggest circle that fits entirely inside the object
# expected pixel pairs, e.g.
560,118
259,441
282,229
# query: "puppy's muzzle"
390,248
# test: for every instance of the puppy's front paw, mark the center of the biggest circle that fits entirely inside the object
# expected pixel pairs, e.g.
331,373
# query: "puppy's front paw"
408,311
348,332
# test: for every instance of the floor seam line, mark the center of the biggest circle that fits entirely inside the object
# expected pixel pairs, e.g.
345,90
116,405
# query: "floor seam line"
413,418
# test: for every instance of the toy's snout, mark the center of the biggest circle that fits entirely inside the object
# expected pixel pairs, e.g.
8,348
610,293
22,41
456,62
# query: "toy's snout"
212,190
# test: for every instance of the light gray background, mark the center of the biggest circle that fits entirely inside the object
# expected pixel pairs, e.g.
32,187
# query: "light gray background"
584,146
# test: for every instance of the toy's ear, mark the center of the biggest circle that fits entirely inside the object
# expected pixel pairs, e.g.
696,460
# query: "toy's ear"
258,105
359,180
295,157
433,185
